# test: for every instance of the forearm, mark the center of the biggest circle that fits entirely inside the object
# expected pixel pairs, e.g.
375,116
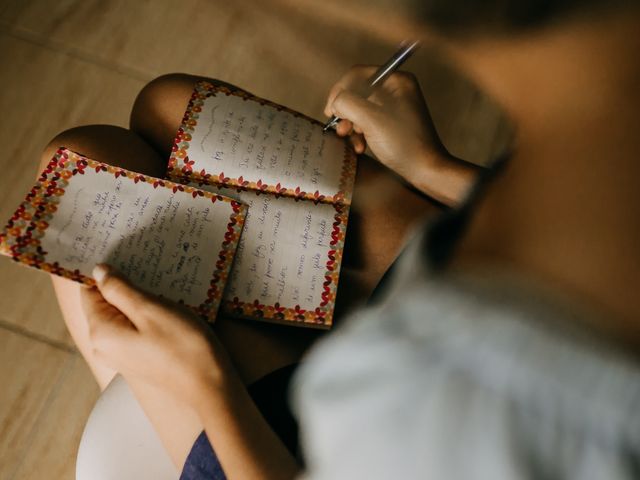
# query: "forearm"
244,443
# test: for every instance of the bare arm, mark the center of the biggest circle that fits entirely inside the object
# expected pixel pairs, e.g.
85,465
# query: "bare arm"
244,443
154,342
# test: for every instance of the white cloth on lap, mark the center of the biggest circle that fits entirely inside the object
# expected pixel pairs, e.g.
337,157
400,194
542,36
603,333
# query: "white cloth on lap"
119,442
454,377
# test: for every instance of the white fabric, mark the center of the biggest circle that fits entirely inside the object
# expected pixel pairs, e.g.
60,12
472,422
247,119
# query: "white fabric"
119,442
467,378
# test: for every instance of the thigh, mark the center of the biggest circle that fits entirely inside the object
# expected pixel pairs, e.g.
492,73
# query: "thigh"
177,425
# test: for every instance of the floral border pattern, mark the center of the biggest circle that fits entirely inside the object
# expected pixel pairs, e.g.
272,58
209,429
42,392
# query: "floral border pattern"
180,167
22,235
322,315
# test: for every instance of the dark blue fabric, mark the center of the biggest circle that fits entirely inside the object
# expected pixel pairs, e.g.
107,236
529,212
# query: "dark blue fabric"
202,462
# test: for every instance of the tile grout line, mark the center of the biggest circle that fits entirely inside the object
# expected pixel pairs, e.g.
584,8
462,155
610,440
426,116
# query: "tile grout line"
4,324
43,412
76,53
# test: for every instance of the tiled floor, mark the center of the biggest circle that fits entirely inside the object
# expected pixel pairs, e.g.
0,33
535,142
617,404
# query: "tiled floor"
70,62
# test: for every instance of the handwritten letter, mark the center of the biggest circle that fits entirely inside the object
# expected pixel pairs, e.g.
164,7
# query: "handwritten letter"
282,254
258,142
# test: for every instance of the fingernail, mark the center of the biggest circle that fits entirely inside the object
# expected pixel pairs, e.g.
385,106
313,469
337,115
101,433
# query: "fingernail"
99,273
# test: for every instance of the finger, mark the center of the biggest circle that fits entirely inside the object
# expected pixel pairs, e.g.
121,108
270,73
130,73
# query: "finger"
358,110
358,143
356,79
332,95
344,128
403,83
106,323
121,294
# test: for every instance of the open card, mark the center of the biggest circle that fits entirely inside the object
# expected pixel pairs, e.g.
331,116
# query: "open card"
169,239
297,182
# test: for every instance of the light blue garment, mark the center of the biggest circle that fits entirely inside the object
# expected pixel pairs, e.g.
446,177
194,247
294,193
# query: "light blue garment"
464,378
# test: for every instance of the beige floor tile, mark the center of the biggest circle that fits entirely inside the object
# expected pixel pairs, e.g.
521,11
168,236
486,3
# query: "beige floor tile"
28,302
45,92
270,50
54,443
262,48
29,371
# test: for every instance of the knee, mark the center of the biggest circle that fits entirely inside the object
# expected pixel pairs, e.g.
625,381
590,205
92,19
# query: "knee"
73,139
85,139
160,106
107,144
50,149
161,99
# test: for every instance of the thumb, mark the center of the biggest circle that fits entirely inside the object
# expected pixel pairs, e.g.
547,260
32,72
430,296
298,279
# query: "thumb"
120,293
358,110
105,321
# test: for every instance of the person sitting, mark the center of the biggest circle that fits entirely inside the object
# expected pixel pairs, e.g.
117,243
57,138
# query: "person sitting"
502,342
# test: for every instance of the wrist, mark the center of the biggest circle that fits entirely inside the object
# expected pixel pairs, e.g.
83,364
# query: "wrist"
434,156
442,176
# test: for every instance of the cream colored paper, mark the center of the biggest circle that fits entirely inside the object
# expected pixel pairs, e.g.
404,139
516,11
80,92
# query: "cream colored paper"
242,138
282,253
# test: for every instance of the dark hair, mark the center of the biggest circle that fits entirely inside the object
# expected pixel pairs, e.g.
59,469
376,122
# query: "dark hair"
461,17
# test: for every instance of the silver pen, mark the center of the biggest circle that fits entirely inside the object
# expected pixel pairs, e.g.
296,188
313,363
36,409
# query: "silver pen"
383,73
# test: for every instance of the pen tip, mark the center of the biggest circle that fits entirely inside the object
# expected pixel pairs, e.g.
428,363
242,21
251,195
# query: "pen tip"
329,125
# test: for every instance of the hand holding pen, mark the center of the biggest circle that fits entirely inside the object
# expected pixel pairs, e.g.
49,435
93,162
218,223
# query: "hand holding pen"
393,121
380,75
